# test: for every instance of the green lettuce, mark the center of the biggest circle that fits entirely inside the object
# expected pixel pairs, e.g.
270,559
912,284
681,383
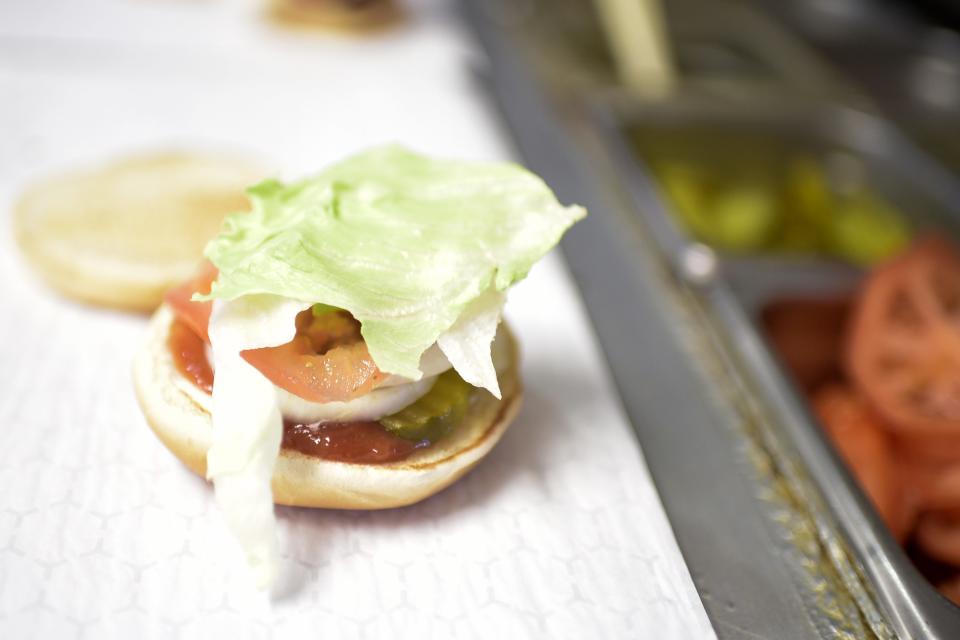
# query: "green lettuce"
402,241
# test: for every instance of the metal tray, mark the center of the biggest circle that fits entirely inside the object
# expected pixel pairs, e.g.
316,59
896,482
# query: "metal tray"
730,291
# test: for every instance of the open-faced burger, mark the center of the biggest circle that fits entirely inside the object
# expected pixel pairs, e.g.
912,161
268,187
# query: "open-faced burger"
343,345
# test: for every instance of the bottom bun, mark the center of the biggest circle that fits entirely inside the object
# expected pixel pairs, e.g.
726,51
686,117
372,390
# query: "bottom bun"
174,413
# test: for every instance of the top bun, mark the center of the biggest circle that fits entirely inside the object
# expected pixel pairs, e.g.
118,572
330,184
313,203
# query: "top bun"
105,235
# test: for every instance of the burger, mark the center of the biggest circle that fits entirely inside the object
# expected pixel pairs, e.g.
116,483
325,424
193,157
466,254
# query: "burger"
343,345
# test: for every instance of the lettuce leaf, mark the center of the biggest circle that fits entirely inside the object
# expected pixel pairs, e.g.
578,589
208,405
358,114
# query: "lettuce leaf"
247,426
404,242
467,343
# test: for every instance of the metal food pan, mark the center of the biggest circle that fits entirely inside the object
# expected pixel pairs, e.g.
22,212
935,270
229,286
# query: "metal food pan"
730,290
890,164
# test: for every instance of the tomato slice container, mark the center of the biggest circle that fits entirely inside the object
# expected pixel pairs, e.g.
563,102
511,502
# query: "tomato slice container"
729,293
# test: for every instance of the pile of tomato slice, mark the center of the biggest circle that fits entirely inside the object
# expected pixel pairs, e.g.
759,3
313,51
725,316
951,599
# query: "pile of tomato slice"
326,361
884,381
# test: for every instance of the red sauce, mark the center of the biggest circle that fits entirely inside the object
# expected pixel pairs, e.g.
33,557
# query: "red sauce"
356,442
190,355
359,442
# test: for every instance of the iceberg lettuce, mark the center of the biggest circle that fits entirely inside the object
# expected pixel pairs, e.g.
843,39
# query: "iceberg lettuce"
404,242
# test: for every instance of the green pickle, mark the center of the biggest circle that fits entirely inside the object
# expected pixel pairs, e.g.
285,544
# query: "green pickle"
744,216
865,230
435,414
784,205
736,217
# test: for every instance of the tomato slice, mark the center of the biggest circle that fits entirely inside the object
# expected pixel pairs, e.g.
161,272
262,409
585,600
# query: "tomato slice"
808,334
934,486
189,355
326,361
195,315
904,346
933,449
868,451
939,536
951,589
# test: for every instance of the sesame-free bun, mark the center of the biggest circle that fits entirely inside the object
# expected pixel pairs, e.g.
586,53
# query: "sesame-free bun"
336,15
122,233
175,413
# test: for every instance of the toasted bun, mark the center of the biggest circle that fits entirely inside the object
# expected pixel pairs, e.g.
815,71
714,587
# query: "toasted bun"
337,15
121,234
183,425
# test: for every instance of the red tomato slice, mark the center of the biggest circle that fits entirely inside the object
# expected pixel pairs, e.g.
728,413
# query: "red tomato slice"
904,347
189,355
939,536
807,334
951,589
868,450
932,449
196,315
326,361
934,486
342,373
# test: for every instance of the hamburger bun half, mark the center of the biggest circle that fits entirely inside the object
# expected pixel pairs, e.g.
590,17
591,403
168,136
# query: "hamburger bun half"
175,412
121,234
336,15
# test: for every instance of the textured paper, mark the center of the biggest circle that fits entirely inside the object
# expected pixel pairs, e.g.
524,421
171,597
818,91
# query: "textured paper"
103,534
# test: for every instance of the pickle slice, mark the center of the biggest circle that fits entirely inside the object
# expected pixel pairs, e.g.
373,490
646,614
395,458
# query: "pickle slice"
433,415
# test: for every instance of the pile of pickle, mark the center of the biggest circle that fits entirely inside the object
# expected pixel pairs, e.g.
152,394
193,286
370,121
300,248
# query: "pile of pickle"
791,207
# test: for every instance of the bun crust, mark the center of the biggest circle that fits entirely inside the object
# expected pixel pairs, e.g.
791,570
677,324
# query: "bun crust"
173,411
336,15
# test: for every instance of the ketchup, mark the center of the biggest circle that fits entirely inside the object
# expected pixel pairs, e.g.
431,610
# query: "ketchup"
356,442
190,355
